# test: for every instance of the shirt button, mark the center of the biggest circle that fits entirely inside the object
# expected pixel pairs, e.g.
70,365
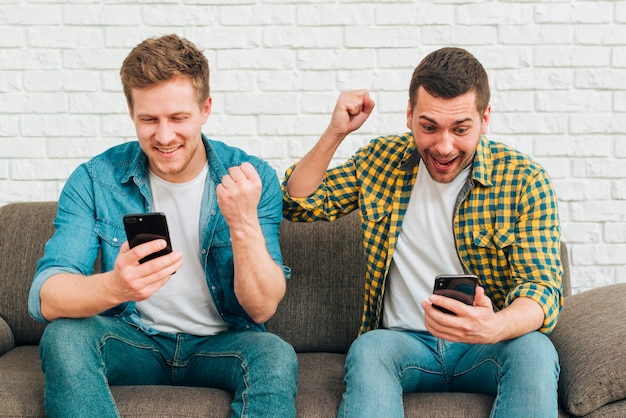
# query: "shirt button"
203,251
114,239
213,287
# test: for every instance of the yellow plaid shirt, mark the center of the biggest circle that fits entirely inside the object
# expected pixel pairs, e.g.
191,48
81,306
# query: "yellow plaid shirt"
506,222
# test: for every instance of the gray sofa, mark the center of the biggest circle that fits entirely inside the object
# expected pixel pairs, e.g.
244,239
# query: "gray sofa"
319,316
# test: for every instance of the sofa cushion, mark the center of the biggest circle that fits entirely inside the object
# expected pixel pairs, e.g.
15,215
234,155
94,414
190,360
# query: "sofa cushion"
29,225
21,383
21,393
591,342
611,410
7,341
323,305
320,383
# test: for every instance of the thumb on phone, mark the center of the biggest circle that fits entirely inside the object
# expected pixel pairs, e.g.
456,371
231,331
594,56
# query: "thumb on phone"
481,299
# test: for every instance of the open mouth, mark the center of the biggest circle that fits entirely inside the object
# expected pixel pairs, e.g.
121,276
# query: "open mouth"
444,163
167,151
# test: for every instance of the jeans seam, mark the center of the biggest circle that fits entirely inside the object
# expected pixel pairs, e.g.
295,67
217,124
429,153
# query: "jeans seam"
246,375
101,344
475,366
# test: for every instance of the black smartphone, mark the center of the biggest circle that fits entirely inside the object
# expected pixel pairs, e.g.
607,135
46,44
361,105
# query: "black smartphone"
457,286
145,227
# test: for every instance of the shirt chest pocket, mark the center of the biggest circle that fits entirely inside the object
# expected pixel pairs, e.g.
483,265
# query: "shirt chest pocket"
111,239
497,239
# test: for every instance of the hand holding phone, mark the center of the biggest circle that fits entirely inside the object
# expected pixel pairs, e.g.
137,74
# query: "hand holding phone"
145,227
461,287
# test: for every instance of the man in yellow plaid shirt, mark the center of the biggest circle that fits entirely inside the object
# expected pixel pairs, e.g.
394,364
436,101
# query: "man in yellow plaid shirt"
442,199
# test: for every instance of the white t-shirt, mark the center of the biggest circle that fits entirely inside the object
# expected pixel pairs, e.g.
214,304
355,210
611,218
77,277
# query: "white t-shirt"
425,249
183,304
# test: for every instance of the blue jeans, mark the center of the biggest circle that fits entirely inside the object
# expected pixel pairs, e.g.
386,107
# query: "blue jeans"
382,364
82,357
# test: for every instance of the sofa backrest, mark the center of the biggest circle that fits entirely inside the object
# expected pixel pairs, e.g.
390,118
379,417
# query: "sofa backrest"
324,302
24,230
321,310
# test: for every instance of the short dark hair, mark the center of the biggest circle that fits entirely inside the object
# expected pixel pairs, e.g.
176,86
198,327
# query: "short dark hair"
157,60
450,72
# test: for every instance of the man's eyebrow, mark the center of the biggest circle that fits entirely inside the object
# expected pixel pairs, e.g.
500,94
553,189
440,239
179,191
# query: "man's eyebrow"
462,121
458,122
173,115
434,122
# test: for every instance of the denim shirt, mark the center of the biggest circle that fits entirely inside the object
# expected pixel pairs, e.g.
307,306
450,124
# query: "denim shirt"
101,191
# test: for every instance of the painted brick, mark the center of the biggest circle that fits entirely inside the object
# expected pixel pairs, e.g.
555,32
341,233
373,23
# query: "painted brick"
30,14
557,73
335,14
9,125
97,15
581,232
61,80
615,232
586,278
618,189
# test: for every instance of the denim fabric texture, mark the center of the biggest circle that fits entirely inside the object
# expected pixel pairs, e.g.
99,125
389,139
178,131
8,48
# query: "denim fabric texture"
259,367
516,371
101,191
81,358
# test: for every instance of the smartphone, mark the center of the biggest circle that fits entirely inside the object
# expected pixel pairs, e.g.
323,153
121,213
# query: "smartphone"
146,227
457,286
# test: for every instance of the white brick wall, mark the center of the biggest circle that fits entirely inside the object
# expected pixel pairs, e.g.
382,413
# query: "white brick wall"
557,69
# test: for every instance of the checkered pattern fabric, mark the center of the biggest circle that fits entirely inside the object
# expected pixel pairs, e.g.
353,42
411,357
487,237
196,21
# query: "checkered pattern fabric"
506,221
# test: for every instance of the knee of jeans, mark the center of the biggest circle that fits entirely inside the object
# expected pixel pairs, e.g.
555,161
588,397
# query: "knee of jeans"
64,335
370,343
282,354
66,342
536,346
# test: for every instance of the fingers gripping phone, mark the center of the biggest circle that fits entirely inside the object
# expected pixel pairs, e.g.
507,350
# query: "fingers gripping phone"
461,287
145,227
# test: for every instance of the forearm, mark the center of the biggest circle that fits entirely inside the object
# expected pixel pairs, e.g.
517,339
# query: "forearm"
66,295
259,281
310,170
522,316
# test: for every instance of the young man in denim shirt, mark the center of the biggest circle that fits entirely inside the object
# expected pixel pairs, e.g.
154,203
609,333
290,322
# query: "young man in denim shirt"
442,199
192,317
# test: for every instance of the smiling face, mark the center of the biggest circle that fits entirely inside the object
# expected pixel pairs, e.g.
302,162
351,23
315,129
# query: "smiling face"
446,132
168,122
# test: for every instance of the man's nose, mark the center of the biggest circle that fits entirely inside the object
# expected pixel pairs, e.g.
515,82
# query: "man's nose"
445,144
164,133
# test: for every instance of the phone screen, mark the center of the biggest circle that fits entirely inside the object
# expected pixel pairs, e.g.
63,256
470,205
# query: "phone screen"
461,287
145,227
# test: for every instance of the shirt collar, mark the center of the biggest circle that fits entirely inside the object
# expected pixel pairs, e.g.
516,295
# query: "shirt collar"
482,159
410,156
138,168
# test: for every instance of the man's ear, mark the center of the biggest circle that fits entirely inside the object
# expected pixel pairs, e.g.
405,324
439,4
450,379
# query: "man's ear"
485,121
206,108
409,115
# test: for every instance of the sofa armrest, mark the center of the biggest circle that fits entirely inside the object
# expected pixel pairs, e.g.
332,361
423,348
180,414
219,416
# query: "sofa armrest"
590,338
7,341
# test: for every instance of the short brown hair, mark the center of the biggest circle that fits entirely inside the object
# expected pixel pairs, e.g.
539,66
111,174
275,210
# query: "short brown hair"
451,72
157,60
